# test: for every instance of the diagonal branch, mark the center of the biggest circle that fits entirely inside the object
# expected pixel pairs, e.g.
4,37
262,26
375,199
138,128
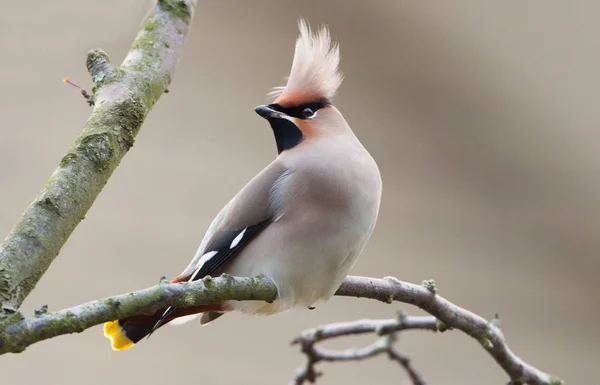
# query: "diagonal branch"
403,360
449,315
122,98
16,334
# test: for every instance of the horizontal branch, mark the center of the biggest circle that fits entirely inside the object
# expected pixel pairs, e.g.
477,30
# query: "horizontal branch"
366,326
17,334
122,98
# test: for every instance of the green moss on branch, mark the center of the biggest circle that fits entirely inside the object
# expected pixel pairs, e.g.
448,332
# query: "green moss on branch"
123,97
16,333
178,8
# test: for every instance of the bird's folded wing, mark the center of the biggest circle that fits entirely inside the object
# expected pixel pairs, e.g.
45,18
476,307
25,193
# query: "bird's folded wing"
238,223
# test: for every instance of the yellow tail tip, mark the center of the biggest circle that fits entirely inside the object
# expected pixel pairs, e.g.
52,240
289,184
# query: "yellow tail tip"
118,339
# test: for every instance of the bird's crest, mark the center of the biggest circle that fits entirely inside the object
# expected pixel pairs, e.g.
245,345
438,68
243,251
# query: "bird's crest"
315,71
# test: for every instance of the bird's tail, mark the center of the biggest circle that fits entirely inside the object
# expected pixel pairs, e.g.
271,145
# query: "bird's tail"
126,332
123,334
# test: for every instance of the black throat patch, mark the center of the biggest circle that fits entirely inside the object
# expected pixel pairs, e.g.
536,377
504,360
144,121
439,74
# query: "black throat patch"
287,134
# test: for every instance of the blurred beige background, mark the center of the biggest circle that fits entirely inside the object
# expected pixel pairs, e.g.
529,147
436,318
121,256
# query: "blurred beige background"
483,117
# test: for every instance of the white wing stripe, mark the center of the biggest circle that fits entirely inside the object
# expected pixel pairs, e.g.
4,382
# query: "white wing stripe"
201,262
237,239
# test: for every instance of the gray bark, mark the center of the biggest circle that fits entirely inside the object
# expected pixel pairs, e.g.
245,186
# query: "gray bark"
123,96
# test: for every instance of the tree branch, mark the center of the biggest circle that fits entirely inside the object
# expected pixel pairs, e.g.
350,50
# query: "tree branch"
122,98
387,328
450,316
16,333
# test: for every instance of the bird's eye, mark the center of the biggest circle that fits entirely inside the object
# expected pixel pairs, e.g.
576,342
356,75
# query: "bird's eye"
308,112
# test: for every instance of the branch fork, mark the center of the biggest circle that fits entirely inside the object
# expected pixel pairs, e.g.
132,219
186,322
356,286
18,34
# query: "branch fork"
384,345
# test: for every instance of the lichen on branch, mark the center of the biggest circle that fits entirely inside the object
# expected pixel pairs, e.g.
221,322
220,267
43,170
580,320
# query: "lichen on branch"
122,98
16,333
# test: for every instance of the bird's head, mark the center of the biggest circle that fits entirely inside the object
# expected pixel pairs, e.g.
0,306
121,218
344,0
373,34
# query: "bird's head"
302,109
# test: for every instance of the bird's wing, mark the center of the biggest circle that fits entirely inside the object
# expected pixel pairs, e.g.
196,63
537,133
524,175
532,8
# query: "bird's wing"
250,211
238,223
242,219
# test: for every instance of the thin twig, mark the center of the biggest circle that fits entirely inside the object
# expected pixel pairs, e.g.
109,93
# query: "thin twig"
388,328
380,327
89,98
403,360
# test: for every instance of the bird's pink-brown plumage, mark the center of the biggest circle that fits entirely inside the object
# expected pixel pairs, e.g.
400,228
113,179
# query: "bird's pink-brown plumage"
303,220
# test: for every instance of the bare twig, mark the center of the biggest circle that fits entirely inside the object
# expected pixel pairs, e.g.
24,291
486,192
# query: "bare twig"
380,327
122,97
388,328
89,98
403,360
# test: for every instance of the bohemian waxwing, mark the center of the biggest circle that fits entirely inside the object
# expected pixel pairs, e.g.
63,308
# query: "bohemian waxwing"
304,219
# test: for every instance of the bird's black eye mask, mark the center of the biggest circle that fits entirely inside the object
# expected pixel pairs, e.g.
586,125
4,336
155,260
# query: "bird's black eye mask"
303,111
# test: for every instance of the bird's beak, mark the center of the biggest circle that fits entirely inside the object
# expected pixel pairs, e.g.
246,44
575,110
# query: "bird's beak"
268,113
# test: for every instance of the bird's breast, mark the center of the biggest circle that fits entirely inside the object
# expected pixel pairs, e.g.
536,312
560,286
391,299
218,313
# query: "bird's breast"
326,209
